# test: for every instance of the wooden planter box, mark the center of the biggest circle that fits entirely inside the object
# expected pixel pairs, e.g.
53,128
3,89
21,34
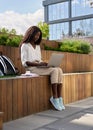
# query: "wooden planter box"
72,62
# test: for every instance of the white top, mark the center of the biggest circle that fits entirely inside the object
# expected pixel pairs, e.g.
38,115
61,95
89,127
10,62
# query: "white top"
28,53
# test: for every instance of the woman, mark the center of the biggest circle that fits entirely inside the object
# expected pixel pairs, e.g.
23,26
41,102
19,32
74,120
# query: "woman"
31,59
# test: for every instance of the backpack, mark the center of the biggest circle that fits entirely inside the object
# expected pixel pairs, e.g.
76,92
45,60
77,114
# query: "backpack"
6,66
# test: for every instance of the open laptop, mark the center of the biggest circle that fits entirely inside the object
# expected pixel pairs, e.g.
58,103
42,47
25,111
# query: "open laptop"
54,61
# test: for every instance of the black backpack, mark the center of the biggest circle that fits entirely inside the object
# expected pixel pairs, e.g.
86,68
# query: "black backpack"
6,66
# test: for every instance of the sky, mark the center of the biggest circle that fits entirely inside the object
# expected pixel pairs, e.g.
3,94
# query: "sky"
20,14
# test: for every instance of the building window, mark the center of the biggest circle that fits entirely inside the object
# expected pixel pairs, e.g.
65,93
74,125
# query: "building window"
58,11
58,31
81,7
69,18
82,27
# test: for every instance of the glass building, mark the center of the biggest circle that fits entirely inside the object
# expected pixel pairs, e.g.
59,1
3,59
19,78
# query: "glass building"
68,18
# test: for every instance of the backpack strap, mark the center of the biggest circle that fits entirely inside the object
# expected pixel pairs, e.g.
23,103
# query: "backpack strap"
3,66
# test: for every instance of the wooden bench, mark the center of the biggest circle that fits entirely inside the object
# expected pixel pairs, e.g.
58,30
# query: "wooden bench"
1,120
20,96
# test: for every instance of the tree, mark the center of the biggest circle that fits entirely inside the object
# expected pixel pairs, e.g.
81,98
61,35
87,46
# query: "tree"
13,31
4,30
44,28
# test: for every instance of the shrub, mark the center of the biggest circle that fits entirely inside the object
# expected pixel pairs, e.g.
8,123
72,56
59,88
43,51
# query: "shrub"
3,39
10,40
72,45
14,41
76,46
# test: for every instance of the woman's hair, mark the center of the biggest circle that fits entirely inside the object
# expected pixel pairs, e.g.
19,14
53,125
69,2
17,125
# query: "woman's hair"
30,35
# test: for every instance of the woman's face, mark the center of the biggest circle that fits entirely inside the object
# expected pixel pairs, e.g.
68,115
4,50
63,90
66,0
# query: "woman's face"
37,36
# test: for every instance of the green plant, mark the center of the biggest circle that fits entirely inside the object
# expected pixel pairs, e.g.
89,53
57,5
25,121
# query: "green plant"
3,39
76,46
5,30
85,48
14,41
45,29
72,45
10,40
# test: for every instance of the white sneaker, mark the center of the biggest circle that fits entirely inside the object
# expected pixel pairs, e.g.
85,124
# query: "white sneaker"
61,103
55,103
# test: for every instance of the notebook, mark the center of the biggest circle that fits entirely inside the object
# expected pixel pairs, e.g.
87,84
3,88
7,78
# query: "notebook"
54,61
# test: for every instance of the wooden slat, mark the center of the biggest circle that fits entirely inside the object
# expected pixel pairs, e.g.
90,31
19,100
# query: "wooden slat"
24,84
1,121
4,98
15,98
20,98
29,97
91,84
88,85
65,89
9,98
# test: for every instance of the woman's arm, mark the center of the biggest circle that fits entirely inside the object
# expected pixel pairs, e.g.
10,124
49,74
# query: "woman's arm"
36,63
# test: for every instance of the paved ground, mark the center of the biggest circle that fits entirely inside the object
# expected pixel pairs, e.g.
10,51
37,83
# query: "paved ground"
77,116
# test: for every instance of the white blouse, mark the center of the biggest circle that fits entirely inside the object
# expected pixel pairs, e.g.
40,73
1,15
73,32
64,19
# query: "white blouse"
28,53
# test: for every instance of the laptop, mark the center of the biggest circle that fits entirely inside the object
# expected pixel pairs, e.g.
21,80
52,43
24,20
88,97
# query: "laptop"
54,61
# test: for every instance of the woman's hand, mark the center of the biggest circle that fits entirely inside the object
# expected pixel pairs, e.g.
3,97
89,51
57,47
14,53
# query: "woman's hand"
36,63
43,64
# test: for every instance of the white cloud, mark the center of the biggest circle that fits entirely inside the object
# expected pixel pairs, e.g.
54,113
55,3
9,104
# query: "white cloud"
20,22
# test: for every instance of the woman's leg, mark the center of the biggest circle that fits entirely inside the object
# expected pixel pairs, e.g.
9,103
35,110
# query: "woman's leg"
54,76
54,90
54,99
59,89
